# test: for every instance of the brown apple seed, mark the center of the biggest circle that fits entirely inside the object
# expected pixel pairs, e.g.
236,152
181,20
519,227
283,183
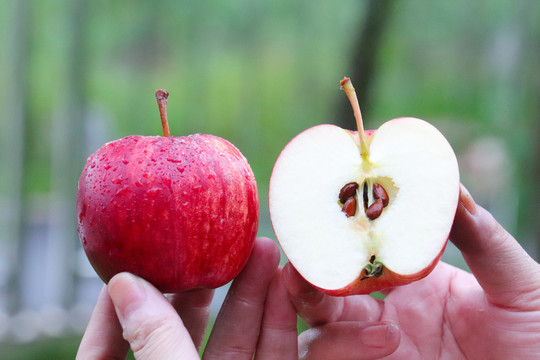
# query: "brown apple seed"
380,193
347,191
349,208
365,196
375,210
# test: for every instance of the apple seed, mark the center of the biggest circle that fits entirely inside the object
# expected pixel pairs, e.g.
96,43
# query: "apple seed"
380,193
375,210
365,196
347,191
349,208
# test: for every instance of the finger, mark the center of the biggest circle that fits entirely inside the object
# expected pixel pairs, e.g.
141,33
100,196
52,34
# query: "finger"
348,340
103,337
194,308
502,267
278,338
317,308
151,325
237,326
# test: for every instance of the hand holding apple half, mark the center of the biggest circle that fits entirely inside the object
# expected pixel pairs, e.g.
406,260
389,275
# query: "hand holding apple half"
181,212
359,211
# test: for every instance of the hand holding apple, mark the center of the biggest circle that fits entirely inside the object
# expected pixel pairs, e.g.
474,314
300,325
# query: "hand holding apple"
181,212
357,212
492,312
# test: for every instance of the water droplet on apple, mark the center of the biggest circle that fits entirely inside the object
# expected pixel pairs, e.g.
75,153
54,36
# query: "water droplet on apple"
122,190
125,161
107,166
153,192
181,168
83,211
117,180
174,160
138,183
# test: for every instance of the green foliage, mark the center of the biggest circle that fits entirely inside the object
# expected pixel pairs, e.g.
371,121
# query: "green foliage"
45,349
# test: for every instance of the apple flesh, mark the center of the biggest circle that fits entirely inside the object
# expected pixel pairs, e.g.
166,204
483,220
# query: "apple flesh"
181,212
342,253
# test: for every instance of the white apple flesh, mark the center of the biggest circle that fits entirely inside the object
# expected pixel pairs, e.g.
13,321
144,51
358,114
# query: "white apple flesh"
342,254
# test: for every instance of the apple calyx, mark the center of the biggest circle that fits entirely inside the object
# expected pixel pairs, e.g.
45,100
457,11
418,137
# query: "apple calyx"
374,268
161,97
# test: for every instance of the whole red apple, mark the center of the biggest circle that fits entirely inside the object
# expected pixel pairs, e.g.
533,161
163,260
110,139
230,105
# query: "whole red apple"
181,212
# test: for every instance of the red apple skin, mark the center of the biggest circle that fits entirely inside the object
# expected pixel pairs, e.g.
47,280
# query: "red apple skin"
181,212
388,279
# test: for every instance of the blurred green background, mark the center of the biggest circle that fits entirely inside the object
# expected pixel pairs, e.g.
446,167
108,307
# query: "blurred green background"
75,74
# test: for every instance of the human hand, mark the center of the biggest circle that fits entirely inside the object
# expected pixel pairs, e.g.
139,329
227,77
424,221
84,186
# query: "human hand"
131,312
492,314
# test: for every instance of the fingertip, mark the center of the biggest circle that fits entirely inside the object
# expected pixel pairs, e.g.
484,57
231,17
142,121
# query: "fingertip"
267,247
494,257
150,324
466,222
466,200
297,286
128,292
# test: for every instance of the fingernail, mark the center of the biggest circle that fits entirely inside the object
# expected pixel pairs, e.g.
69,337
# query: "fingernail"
127,293
467,200
376,336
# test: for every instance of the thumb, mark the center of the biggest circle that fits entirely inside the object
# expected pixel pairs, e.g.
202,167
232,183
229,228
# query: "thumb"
149,322
503,268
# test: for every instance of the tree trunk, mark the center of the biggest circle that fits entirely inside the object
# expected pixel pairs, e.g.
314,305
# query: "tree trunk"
68,148
364,55
15,147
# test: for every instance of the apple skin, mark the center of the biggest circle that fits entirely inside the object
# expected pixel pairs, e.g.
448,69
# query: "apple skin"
388,279
181,212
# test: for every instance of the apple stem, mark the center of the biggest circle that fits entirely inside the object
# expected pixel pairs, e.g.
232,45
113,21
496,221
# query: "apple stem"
161,97
346,85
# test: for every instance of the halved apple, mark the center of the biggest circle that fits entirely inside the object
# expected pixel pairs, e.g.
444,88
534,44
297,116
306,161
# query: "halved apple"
357,212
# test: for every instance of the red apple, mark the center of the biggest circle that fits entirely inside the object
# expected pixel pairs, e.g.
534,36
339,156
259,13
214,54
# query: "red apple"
358,212
181,212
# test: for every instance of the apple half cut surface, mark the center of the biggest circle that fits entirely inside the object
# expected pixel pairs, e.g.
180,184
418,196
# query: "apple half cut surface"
358,212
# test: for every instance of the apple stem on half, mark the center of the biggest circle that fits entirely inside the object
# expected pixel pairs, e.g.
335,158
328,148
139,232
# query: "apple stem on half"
161,97
346,85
